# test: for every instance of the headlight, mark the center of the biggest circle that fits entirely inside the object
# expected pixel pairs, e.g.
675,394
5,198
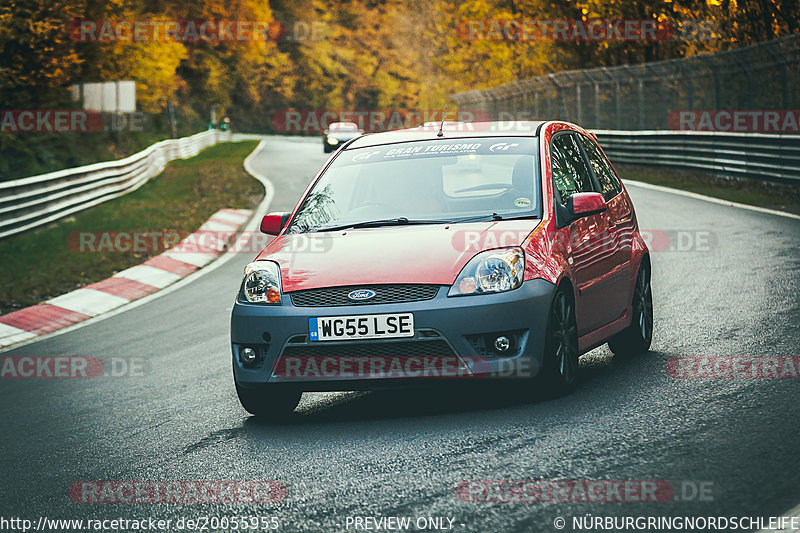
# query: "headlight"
333,140
489,272
262,283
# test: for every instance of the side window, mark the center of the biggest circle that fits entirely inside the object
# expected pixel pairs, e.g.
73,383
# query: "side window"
609,183
570,174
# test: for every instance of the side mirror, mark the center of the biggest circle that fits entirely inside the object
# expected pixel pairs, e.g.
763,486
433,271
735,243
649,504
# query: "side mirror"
273,223
582,204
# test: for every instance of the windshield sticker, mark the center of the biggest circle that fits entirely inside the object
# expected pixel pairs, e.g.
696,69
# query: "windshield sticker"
502,147
459,148
522,202
439,148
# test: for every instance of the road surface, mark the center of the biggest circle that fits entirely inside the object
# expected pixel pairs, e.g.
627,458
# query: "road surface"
404,453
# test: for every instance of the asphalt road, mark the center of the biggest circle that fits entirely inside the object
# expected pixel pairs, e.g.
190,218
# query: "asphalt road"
403,453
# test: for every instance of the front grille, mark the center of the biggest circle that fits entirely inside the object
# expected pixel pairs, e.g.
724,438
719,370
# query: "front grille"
415,348
384,294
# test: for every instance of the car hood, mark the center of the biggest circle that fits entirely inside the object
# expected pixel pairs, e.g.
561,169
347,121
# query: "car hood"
429,254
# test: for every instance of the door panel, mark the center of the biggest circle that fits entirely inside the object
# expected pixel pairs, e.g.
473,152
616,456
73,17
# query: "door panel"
620,227
585,239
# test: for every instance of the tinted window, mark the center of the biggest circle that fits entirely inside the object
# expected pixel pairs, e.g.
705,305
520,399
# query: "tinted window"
609,184
570,174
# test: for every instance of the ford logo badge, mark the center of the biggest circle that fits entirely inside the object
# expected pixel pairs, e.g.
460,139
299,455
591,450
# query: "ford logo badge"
361,295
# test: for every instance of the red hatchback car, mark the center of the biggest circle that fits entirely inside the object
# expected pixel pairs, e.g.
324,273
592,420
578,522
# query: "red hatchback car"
489,250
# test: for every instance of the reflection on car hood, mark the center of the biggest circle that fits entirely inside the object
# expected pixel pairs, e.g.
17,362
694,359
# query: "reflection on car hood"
404,254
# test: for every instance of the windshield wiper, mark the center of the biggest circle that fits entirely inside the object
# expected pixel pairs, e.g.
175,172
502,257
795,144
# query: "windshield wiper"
494,216
399,221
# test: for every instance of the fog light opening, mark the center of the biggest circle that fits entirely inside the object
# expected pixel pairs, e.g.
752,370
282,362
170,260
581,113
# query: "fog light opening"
502,344
248,356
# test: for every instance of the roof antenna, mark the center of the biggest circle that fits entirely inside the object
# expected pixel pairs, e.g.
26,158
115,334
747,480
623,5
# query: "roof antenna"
441,127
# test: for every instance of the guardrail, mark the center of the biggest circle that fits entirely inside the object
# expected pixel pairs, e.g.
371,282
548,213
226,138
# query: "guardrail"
28,203
766,157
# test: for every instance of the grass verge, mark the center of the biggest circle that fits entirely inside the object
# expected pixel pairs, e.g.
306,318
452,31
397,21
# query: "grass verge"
39,265
758,193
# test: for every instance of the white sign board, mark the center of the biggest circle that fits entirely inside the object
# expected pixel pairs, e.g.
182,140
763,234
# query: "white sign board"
108,96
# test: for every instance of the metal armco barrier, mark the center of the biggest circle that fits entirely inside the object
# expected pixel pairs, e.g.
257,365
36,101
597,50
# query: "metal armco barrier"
766,157
32,202
28,203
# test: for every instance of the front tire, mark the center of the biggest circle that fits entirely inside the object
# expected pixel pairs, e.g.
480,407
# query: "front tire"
636,338
559,374
268,403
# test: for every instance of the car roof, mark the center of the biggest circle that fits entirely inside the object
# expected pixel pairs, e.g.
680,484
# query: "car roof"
451,131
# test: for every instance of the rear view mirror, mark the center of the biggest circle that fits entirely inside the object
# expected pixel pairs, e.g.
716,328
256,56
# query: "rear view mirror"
273,223
583,204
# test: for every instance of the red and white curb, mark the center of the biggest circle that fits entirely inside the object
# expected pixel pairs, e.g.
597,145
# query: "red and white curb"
193,252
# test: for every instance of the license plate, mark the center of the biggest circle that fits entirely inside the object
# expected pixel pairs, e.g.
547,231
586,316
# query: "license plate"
336,328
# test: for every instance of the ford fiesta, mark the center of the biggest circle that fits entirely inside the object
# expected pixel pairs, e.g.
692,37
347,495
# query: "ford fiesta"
420,256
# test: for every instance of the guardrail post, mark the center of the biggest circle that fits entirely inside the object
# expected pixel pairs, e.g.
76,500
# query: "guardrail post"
537,113
559,96
749,75
684,67
664,102
596,87
717,90
770,48
640,94
617,107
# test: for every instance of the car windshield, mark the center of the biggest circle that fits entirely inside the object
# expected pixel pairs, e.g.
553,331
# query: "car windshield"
434,181
343,126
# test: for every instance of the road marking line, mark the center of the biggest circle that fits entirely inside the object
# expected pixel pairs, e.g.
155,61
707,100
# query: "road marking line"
149,275
711,199
88,301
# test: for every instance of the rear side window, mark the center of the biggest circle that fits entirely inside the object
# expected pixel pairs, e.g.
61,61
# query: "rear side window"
570,174
609,183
